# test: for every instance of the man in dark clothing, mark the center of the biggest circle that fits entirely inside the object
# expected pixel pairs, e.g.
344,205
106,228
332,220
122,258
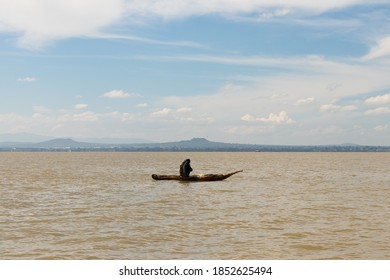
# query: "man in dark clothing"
185,168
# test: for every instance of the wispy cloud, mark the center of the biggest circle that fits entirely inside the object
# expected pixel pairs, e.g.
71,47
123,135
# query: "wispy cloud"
37,24
380,49
304,101
378,111
378,100
275,13
80,106
204,79
119,94
26,79
381,128
79,117
184,110
337,108
279,118
161,113
303,63
349,108
177,9
329,108
188,44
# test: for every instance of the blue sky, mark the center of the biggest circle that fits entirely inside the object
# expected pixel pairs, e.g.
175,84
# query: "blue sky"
255,71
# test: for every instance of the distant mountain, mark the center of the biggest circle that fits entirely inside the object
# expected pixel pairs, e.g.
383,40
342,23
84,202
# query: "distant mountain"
63,144
50,144
113,140
35,138
195,145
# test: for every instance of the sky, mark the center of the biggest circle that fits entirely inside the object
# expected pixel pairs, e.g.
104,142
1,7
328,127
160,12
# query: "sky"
297,72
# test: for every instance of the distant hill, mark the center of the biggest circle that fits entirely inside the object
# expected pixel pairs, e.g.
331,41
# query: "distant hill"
64,143
195,145
35,138
50,144
109,140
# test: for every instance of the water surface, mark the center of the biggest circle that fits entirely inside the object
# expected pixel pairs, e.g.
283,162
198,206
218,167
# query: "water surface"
283,206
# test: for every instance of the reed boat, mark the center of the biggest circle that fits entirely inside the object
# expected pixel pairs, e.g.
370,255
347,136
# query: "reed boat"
196,178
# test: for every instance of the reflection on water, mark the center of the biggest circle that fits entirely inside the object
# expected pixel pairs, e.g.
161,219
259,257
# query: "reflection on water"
283,206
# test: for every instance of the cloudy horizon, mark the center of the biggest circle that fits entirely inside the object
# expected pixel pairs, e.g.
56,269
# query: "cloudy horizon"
256,71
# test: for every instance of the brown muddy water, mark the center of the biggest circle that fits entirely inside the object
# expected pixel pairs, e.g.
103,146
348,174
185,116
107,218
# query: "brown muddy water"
107,206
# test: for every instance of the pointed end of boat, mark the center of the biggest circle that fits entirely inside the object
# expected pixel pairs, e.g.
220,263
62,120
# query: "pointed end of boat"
232,173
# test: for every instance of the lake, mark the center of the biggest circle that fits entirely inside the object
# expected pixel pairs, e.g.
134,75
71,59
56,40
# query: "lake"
107,206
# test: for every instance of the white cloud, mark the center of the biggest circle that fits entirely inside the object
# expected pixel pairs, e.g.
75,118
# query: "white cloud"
40,21
142,105
127,117
378,111
117,116
280,118
184,110
81,117
304,101
378,100
188,44
337,108
329,108
248,118
255,92
182,115
202,119
309,63
162,113
80,106
382,48
381,128
26,79
272,14
173,9
119,94
348,108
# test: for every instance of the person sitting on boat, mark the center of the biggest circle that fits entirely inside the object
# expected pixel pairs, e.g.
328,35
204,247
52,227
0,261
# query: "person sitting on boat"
185,168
